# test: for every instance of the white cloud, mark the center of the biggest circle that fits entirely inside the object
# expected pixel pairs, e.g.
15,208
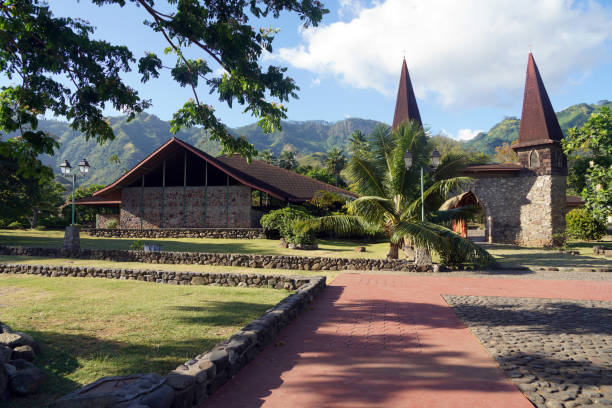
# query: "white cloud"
349,8
462,134
315,82
464,53
467,134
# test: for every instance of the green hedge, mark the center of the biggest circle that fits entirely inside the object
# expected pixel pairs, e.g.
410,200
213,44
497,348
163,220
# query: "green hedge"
582,225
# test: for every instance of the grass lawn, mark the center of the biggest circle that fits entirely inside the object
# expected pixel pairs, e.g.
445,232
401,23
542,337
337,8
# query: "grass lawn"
90,328
536,257
329,248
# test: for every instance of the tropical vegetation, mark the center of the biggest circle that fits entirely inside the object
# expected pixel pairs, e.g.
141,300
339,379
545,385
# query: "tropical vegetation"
581,224
390,196
592,143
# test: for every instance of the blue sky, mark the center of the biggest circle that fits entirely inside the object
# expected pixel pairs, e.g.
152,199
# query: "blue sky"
467,59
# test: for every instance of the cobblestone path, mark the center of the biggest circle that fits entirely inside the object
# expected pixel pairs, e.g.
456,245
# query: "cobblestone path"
558,352
391,341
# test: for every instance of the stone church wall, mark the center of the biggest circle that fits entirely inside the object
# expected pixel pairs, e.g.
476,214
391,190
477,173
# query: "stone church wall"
526,210
224,207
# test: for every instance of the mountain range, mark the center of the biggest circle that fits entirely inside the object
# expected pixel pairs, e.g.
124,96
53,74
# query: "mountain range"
136,139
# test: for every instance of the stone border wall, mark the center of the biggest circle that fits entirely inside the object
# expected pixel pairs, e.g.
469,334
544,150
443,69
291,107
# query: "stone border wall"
234,233
240,260
168,277
190,384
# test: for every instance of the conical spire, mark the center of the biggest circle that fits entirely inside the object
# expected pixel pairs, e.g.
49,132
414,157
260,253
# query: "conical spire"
405,105
539,123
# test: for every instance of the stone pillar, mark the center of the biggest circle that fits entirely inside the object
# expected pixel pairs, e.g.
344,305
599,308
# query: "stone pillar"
422,256
72,240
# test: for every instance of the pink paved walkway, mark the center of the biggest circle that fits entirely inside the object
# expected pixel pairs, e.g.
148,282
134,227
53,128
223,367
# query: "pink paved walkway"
389,341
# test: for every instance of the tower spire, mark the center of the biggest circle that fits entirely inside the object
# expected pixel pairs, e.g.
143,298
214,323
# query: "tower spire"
406,107
539,124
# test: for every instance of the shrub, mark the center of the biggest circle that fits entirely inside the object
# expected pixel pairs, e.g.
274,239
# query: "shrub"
112,224
582,225
285,221
137,245
15,225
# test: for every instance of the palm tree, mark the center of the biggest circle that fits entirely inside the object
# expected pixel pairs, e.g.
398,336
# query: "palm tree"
287,160
335,160
390,196
268,156
357,143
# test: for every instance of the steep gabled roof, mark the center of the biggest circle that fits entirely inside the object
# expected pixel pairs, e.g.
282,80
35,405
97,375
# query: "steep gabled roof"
406,107
277,182
539,124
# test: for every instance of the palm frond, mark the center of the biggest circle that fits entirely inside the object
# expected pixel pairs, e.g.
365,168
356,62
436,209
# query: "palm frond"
442,240
382,144
406,137
374,210
451,165
445,216
436,194
340,224
367,176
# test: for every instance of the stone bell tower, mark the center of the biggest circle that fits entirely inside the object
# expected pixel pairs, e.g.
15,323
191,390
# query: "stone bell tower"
540,153
524,202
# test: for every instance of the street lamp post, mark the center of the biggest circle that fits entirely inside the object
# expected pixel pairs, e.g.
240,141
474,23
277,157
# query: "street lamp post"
66,168
435,162
72,240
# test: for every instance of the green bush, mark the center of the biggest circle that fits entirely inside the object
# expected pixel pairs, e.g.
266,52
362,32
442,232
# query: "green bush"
15,225
137,245
285,220
582,225
112,224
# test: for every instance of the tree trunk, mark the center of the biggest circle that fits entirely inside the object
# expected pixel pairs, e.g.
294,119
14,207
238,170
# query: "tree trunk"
393,251
422,256
34,219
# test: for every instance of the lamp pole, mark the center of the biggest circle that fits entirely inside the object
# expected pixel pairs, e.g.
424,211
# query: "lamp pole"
73,183
66,169
435,162
422,201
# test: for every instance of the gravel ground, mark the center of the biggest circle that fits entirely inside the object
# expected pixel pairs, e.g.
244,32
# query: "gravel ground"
557,352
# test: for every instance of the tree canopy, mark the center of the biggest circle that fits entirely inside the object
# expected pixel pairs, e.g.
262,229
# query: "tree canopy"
593,142
57,69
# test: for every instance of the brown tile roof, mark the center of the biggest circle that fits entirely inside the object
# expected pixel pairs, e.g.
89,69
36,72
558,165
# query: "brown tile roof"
490,168
405,105
279,183
293,186
96,201
539,124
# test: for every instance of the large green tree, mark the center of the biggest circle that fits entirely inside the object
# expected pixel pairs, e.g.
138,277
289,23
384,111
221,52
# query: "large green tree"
57,69
26,195
592,143
390,196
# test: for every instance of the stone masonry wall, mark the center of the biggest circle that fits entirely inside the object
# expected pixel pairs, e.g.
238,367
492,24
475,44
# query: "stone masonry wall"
526,210
169,277
242,260
212,209
234,233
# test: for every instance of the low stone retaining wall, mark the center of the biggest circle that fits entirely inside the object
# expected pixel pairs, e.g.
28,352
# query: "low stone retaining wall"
190,384
241,260
235,233
172,278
